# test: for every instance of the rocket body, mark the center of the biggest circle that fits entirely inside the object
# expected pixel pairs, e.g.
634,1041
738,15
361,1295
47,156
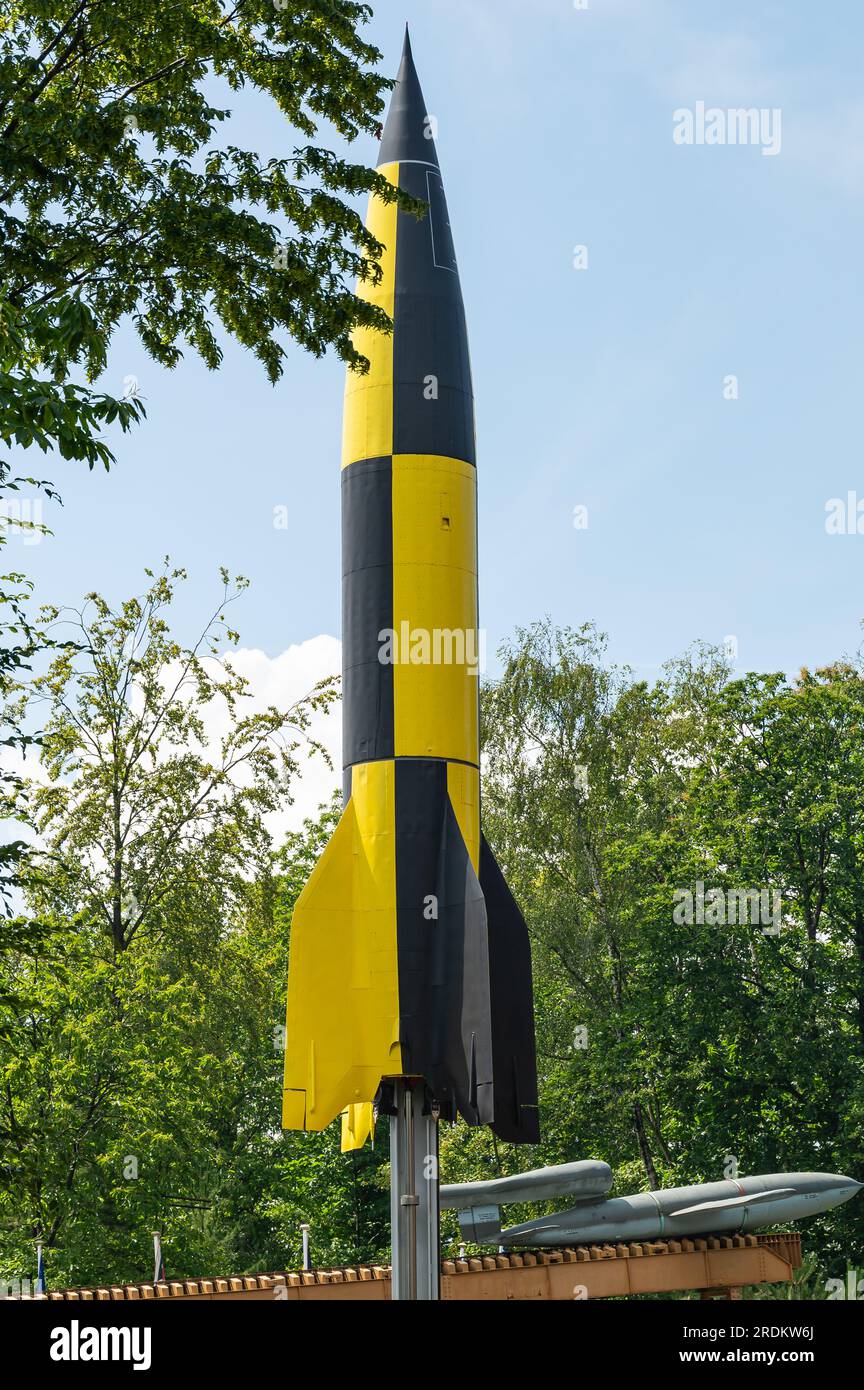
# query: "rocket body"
408,955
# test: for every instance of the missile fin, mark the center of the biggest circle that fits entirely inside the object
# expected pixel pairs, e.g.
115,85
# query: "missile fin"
513,1048
342,979
445,1027
358,1122
745,1200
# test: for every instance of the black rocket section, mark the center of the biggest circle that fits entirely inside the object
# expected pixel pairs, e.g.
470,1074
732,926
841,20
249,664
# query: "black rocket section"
433,405
514,1058
367,609
406,133
444,976
466,1001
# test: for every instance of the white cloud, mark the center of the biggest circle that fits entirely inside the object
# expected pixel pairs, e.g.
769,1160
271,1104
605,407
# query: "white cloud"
281,681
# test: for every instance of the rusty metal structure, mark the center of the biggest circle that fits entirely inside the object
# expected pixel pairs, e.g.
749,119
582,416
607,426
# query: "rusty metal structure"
713,1266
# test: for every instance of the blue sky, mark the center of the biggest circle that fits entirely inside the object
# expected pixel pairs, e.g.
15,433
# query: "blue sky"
602,387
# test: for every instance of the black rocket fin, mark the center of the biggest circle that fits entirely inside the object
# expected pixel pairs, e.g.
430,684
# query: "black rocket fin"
407,131
466,1013
445,1025
514,1060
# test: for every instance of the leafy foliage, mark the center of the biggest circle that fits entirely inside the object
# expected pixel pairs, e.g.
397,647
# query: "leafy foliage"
682,1051
117,199
113,189
141,1071
140,1083
135,808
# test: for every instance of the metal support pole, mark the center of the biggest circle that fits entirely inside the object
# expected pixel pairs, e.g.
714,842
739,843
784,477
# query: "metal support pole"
414,1196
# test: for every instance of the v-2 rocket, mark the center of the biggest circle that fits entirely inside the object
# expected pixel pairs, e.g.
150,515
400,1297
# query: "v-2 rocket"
409,957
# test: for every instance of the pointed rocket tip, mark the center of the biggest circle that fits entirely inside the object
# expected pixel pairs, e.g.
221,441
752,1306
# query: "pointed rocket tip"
407,134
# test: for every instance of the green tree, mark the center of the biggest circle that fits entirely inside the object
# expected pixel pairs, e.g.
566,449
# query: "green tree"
683,1048
783,807
39,408
118,199
581,775
137,804
113,187
140,1060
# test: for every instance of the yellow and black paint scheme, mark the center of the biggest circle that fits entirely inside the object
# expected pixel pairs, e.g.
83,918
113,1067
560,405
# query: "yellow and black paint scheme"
408,954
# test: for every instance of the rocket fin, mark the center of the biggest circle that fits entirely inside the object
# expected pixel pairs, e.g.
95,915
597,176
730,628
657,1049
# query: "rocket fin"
517,1118
342,1029
466,1018
358,1122
404,961
745,1200
445,1025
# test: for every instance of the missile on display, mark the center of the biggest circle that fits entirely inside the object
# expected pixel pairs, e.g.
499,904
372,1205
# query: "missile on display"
479,1202
589,1178
734,1207
409,957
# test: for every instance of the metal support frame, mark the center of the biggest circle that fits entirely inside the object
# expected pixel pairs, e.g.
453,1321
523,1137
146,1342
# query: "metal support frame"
414,1196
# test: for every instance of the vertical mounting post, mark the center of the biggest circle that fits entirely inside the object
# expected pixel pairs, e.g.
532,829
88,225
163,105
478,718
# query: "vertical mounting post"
414,1196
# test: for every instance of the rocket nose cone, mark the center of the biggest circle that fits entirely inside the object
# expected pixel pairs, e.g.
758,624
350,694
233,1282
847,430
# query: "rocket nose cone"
407,130
838,1180
842,1190
832,1188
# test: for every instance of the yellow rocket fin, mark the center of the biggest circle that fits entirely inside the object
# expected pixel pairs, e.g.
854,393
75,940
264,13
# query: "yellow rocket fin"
343,996
358,1122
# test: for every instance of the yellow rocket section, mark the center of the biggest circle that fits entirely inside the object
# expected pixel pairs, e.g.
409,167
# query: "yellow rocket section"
367,421
343,1011
435,698
343,929
463,787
